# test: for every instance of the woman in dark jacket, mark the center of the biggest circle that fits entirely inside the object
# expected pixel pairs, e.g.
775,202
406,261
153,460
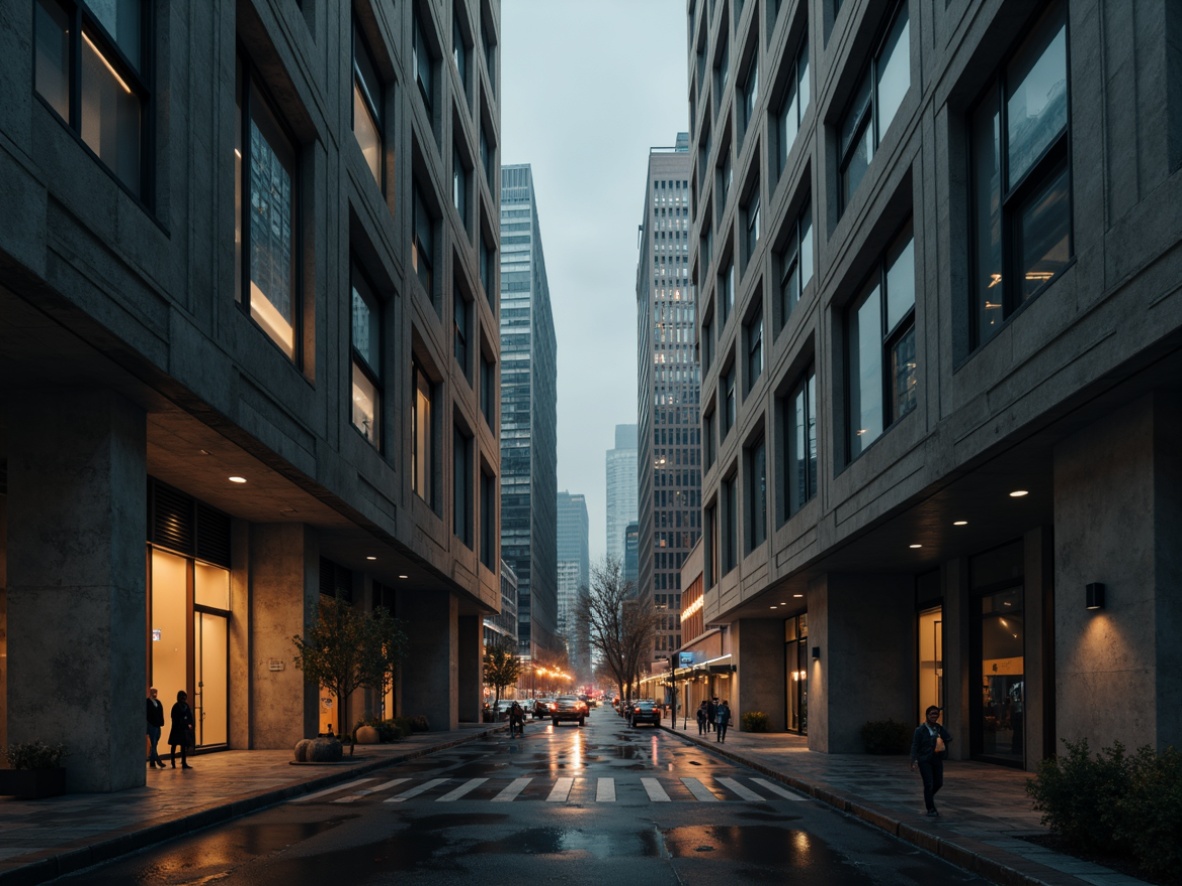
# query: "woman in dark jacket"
182,729
928,748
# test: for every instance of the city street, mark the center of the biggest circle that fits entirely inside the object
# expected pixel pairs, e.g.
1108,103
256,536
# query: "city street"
596,804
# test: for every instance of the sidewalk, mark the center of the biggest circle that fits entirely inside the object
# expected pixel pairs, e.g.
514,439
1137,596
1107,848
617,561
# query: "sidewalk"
983,807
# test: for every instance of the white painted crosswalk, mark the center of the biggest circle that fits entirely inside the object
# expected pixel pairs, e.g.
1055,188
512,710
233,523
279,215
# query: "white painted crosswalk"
565,789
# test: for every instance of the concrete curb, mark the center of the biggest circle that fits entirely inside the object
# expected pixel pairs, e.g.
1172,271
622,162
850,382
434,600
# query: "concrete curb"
70,861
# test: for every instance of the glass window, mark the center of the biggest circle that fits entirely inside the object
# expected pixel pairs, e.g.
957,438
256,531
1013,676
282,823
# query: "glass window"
367,106
793,107
1020,177
708,439
462,487
712,539
756,494
366,348
752,221
880,342
422,63
459,186
727,383
488,389
423,437
796,264
422,247
87,68
266,254
460,325
488,520
730,525
459,53
750,94
754,336
876,101
801,434
726,285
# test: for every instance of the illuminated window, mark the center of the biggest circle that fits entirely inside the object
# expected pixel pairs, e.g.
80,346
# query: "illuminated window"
367,107
367,361
423,437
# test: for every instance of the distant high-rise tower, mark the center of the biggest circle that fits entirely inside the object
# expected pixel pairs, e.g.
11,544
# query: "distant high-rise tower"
574,573
669,455
529,416
631,533
621,489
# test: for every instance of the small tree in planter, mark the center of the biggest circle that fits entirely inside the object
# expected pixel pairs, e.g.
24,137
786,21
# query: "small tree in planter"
347,650
36,771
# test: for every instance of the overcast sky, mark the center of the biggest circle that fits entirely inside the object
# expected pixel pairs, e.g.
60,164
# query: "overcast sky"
586,89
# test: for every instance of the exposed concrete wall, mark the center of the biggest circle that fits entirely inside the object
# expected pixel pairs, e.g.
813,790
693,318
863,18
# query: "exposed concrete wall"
864,626
760,679
1107,524
241,675
77,646
430,673
1167,497
284,595
954,576
471,671
3,620
1039,660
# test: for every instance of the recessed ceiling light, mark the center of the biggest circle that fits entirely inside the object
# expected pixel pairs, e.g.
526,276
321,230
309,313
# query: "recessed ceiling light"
916,546
771,607
1018,493
960,522
798,596
371,558
404,576
237,479
203,451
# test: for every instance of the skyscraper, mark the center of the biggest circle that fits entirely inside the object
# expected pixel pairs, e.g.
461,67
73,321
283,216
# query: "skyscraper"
669,502
529,416
574,572
621,489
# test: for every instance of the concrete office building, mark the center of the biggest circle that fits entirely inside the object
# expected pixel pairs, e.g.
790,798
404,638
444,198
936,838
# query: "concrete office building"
940,329
502,626
244,344
574,575
529,417
668,500
621,489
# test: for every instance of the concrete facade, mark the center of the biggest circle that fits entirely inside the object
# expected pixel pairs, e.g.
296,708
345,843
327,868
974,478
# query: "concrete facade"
143,363
1025,444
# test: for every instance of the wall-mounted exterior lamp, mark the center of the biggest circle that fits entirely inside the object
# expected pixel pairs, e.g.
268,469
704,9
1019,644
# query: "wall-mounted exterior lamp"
1094,595
816,653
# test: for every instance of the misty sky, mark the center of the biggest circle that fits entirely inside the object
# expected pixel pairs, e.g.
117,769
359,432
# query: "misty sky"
587,87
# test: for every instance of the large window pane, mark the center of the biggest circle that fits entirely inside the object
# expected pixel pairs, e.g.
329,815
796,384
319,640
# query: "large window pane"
422,435
857,163
123,20
369,137
1036,101
894,71
366,328
1043,236
52,67
988,285
110,116
865,372
900,290
806,247
904,374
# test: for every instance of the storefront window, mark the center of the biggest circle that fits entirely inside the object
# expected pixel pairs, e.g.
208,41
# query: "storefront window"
931,660
796,654
1002,680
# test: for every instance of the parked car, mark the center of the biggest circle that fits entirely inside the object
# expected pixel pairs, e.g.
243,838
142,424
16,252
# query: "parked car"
645,711
542,707
568,707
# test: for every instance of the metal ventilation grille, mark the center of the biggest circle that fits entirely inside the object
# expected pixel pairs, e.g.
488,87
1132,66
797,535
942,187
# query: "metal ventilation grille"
172,519
213,536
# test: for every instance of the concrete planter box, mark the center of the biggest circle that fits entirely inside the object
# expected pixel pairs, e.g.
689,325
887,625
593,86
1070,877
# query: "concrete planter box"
32,784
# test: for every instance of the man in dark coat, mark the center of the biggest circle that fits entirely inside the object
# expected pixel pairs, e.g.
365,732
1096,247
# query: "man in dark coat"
711,712
182,729
928,749
155,724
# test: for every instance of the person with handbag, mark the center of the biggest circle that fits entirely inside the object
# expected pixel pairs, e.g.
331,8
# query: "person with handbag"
929,747
182,732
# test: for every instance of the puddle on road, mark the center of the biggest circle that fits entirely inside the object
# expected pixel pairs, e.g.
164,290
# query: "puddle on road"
760,846
573,841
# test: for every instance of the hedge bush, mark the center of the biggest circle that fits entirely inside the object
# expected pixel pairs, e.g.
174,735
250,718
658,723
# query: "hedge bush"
1115,803
886,737
755,721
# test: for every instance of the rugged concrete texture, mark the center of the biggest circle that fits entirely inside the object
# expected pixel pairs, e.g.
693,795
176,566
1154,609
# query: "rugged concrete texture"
470,662
864,626
760,680
76,581
1109,526
430,675
285,569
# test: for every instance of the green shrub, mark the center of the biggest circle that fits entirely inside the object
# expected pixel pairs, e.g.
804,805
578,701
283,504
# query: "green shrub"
1081,796
755,721
419,723
1150,823
886,737
405,725
35,755
388,730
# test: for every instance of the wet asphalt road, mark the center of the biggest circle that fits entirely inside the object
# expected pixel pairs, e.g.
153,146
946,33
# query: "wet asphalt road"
605,804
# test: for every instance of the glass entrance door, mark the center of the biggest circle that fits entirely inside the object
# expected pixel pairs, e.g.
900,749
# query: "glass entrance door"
211,639
1000,677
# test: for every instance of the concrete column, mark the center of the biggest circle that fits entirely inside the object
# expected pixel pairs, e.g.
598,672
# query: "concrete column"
1118,518
759,683
470,654
954,577
430,671
3,621
284,570
76,599
864,626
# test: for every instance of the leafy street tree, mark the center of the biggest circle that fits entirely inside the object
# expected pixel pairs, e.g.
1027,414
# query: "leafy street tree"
502,667
620,626
347,650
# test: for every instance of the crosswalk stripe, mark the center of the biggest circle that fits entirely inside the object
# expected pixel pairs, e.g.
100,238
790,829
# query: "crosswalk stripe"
561,790
605,790
744,792
699,790
779,791
510,793
365,792
414,792
333,790
655,792
467,786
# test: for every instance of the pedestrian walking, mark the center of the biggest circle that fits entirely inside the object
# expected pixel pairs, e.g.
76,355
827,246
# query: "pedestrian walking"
155,724
703,718
929,746
722,720
516,720
182,734
711,711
